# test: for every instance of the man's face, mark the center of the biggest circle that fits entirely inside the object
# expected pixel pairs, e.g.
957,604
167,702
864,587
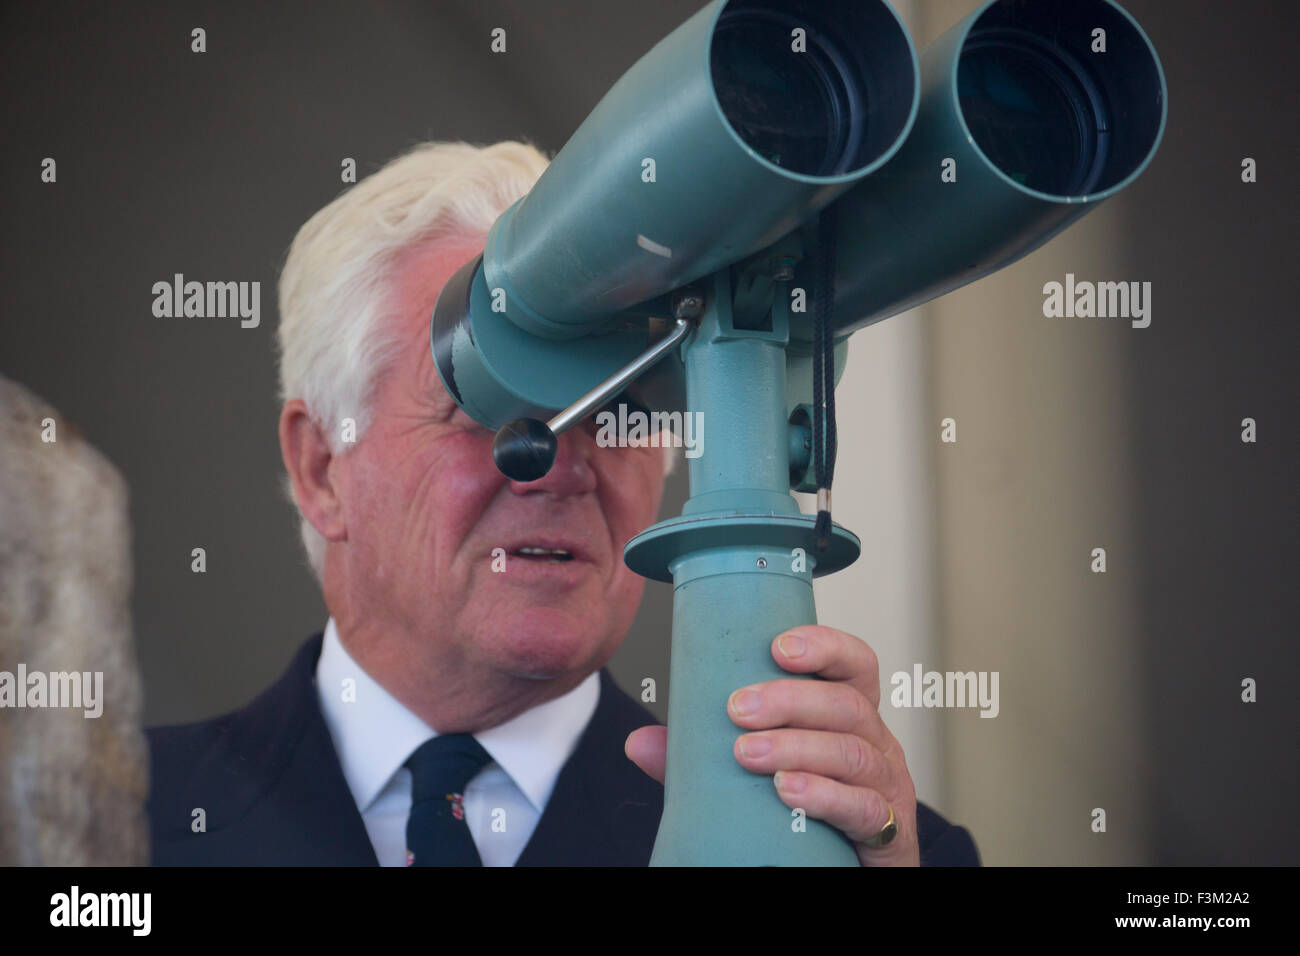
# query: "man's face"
426,509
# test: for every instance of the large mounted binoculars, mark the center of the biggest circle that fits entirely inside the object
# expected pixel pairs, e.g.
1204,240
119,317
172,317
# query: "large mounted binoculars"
772,176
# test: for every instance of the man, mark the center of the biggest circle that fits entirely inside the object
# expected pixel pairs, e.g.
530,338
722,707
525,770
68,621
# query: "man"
433,662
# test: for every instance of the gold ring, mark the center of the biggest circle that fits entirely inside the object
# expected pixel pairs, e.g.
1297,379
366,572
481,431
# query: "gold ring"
887,832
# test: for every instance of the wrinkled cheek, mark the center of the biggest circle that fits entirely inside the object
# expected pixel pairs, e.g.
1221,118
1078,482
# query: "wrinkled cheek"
386,537
468,486
443,510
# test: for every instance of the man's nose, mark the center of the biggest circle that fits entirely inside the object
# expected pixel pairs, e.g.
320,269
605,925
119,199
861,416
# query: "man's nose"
572,473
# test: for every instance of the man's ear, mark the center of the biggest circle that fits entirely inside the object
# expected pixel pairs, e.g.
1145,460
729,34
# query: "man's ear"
307,458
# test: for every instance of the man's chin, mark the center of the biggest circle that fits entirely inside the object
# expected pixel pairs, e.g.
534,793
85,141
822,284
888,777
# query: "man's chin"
545,643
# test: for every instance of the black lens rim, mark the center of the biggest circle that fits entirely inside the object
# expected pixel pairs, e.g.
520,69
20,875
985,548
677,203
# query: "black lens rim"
840,85
1076,85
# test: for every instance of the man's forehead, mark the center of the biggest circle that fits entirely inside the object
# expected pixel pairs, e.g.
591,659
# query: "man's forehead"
418,275
420,272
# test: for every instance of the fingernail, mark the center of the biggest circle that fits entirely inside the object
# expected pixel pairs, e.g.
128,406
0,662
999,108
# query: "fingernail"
791,645
755,745
790,782
744,703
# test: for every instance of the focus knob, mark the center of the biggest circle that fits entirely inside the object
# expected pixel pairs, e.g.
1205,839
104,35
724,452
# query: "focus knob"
524,449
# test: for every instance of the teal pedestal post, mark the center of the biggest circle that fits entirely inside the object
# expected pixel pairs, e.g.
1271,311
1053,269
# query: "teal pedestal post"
742,559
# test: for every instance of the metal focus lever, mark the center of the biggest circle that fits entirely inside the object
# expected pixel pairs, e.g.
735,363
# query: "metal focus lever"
525,449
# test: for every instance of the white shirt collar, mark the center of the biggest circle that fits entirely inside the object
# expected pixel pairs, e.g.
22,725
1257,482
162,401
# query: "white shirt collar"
374,733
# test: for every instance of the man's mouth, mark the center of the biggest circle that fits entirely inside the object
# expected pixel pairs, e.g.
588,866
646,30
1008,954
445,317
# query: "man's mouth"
549,555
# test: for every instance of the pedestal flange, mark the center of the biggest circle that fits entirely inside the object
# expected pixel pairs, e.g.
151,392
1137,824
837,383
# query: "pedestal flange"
651,553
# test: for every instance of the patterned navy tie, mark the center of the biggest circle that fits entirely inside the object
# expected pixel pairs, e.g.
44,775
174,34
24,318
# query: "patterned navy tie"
436,831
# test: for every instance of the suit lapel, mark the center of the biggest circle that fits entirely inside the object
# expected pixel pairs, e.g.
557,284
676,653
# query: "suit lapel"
309,807
603,811
271,786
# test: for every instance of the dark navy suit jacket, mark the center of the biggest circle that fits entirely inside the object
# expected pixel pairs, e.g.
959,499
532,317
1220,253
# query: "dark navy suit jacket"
273,793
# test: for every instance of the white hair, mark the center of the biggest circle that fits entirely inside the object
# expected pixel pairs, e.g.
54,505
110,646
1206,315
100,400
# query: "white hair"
336,336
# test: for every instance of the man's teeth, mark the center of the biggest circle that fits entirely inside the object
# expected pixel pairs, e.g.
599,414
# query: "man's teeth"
555,554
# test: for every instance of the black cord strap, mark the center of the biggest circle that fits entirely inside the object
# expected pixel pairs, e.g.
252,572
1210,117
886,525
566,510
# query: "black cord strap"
824,438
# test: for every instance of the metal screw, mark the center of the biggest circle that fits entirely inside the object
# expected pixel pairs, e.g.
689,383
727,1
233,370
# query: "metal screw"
762,562
688,304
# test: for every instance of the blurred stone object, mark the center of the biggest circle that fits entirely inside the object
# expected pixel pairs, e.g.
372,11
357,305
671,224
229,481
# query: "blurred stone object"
72,787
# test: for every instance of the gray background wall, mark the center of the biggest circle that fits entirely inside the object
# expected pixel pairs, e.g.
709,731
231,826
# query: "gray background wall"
1118,690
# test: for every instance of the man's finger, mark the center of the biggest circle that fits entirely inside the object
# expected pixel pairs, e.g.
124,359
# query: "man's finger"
832,654
809,705
843,757
647,747
857,812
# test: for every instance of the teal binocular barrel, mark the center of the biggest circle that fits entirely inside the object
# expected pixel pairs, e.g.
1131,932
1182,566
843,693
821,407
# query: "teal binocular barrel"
1032,112
737,127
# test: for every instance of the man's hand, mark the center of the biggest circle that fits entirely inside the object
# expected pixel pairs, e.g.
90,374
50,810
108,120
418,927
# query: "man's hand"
824,741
